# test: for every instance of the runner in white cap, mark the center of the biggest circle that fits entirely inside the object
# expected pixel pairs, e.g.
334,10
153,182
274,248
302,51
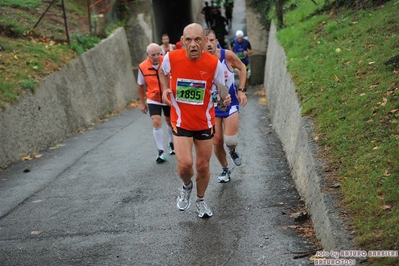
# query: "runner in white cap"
242,48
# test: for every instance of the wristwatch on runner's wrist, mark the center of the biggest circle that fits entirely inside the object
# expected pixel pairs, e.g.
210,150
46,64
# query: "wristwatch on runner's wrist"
243,89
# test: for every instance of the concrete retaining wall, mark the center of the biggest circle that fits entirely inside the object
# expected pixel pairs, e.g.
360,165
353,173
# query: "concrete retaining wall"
91,85
296,134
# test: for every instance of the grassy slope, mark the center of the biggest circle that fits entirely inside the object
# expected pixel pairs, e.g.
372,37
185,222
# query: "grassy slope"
27,56
336,60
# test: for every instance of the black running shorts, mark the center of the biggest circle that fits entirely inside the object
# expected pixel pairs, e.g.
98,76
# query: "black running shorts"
200,135
156,109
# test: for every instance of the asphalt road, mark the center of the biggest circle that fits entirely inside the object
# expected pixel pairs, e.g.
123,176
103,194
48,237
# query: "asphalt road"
99,198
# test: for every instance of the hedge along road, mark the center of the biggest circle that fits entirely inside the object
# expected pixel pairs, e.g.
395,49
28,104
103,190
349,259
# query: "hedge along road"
99,198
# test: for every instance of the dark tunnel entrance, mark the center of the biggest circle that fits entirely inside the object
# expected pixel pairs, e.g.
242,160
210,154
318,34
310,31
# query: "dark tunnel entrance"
171,16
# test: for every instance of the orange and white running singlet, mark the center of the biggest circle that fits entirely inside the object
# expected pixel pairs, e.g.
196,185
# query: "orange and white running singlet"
191,84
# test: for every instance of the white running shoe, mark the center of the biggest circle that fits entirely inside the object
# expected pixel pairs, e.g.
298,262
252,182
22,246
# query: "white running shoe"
161,157
183,200
224,177
203,210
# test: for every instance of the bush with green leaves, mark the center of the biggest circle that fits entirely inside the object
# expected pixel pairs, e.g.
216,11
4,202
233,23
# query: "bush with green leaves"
82,43
12,28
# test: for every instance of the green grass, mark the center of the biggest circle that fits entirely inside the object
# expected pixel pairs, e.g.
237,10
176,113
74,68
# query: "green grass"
22,3
337,64
29,84
24,64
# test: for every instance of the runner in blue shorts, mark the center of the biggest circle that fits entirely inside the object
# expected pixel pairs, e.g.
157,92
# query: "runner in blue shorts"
226,127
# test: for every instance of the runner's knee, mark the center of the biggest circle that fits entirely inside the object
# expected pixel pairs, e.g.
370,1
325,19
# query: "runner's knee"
231,141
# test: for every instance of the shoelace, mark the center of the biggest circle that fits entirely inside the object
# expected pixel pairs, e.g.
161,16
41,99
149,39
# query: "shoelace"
185,193
202,205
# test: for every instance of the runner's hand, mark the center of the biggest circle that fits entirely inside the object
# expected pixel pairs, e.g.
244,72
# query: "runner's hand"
143,108
166,96
242,98
227,100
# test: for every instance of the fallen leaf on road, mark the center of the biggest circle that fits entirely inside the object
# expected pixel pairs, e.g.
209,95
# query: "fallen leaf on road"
133,104
26,158
57,146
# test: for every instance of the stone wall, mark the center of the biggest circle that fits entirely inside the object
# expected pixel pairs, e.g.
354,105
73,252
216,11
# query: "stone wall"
99,81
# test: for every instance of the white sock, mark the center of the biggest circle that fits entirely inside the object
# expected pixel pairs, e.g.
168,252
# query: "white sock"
170,134
189,186
158,135
200,198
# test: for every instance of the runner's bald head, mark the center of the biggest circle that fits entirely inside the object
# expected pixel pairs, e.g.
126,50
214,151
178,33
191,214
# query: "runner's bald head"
153,47
154,53
194,27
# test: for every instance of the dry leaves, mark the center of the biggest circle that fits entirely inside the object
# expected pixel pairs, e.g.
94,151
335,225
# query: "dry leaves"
386,207
31,157
133,104
57,146
306,231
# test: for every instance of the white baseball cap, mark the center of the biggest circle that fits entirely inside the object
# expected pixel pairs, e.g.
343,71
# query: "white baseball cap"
239,33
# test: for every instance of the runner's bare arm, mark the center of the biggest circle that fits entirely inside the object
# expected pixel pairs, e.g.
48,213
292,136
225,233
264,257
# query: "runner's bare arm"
143,105
235,62
164,79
